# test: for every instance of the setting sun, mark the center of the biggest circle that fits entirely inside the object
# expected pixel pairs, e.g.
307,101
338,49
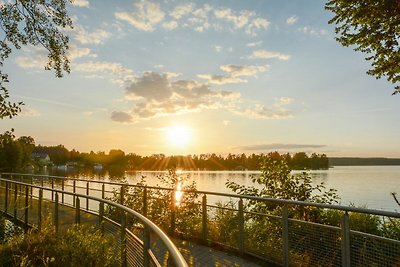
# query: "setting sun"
178,136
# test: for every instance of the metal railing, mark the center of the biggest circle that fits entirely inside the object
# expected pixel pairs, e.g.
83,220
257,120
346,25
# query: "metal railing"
29,203
273,235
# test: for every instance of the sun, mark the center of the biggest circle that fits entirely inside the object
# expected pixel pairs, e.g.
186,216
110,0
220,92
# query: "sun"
178,136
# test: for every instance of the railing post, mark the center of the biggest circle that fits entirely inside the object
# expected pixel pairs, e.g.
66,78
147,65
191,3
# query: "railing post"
40,208
204,217
74,191
6,198
144,202
123,239
87,193
41,181
52,187
62,188
77,211
173,214
103,191
121,195
101,215
285,235
241,227
26,207
345,238
146,247
55,221
15,201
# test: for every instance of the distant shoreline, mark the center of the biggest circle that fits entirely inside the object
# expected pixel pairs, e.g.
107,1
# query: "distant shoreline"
355,161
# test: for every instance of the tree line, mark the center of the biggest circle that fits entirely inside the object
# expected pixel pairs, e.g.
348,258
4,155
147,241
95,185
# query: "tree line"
16,154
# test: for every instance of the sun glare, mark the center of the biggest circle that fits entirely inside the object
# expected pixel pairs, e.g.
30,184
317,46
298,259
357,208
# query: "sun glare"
178,136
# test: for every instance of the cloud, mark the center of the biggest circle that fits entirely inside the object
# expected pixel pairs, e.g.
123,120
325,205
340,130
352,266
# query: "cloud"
220,79
80,3
119,73
83,36
120,116
277,146
277,111
233,74
253,44
145,17
170,25
157,95
182,10
292,20
218,48
285,101
312,31
238,20
256,25
29,112
264,54
260,111
238,71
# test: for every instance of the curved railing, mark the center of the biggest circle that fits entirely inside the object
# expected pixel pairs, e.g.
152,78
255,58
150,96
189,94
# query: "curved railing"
226,221
29,203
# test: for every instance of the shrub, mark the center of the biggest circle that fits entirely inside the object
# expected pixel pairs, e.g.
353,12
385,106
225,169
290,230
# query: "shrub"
78,246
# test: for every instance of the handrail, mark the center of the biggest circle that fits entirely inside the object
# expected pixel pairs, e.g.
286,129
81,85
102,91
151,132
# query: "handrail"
248,197
175,254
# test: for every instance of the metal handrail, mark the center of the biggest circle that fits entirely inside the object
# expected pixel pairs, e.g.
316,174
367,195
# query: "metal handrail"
343,234
245,197
174,252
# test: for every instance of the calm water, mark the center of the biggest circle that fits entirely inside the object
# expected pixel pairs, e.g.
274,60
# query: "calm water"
360,185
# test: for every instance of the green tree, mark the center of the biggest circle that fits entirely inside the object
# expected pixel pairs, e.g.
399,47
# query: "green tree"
374,28
26,22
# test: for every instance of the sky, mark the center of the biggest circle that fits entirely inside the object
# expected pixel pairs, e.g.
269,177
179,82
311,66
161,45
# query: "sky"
191,77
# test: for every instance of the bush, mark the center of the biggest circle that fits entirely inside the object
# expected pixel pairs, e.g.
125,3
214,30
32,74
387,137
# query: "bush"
78,246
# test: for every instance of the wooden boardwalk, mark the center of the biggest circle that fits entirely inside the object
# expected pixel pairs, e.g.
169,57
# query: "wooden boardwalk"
196,255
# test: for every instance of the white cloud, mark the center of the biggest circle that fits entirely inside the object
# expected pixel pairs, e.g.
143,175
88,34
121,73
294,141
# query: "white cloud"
238,20
253,44
233,74
218,48
145,17
285,101
220,79
260,111
182,10
85,37
237,71
80,3
256,25
170,25
292,20
119,73
264,54
76,52
312,31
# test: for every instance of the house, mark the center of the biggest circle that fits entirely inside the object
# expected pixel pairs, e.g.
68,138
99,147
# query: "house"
41,157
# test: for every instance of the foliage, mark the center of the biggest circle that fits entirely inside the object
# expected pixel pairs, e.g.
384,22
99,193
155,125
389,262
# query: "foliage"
34,23
15,153
374,28
160,202
278,182
78,246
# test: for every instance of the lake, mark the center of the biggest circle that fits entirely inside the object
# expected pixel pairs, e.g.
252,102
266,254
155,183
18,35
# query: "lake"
360,185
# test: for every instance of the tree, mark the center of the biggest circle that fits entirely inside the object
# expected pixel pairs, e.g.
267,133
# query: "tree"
26,22
374,28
